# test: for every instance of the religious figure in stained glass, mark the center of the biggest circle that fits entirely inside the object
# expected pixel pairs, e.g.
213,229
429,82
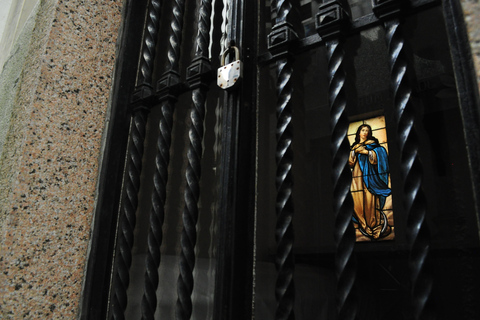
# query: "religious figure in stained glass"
371,192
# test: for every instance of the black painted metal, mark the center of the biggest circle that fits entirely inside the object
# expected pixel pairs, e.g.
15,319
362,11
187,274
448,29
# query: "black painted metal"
150,41
157,214
127,223
332,21
99,267
467,88
232,244
149,301
469,102
155,234
284,234
362,23
234,285
168,89
198,78
279,42
142,101
418,235
345,265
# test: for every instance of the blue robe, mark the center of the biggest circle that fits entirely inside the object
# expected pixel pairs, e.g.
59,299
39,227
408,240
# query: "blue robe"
375,177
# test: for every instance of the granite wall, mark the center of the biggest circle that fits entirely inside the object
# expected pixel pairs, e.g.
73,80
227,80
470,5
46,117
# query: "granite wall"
50,159
471,10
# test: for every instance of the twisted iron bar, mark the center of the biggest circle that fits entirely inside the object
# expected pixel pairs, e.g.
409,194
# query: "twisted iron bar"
127,224
203,35
188,240
284,235
190,211
149,43
162,160
283,9
175,38
125,240
157,214
418,234
224,38
345,264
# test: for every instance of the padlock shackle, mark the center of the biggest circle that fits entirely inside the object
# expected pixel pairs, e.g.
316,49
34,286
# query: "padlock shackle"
229,49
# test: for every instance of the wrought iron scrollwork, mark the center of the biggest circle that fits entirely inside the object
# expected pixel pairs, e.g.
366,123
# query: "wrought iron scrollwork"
141,100
331,22
279,41
198,76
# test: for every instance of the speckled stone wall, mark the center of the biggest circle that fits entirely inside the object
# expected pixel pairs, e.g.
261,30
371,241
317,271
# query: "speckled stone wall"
51,158
471,9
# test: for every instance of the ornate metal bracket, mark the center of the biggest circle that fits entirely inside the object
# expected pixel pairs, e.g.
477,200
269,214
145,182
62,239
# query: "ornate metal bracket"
332,20
142,97
169,86
199,73
282,37
385,9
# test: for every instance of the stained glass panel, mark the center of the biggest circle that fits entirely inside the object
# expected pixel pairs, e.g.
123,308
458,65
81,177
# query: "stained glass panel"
371,187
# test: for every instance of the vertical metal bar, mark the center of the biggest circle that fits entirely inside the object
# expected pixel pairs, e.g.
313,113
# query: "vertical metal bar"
233,286
123,259
467,88
149,300
284,234
469,100
142,100
225,24
279,42
149,43
418,235
198,76
168,89
345,265
331,21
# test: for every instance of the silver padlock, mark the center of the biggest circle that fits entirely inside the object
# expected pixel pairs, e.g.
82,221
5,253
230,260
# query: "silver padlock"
229,75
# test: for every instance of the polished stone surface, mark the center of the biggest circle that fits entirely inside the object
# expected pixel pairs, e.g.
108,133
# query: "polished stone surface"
50,164
471,9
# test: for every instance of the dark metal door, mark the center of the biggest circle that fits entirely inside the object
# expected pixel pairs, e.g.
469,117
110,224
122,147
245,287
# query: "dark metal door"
340,64
201,221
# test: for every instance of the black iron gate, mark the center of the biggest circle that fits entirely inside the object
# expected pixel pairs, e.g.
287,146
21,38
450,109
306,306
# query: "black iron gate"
199,223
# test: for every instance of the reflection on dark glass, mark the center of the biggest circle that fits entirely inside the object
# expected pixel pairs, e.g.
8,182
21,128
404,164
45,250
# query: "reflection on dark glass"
360,8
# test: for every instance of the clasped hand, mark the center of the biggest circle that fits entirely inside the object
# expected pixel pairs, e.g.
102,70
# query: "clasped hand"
360,149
